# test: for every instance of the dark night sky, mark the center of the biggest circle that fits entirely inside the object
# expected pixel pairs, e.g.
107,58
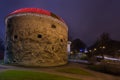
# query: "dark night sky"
86,19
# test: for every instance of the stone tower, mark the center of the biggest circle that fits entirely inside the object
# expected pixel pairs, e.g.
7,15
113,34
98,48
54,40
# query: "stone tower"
35,37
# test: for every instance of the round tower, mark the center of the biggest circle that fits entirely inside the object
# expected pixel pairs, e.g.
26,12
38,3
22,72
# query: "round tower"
35,37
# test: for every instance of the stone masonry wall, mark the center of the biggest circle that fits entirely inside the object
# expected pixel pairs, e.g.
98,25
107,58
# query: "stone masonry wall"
36,41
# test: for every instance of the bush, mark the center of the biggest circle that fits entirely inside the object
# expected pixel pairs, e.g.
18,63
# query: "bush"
84,58
1,55
107,67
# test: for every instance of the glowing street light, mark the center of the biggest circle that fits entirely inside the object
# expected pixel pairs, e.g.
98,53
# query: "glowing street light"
90,50
103,47
95,49
71,52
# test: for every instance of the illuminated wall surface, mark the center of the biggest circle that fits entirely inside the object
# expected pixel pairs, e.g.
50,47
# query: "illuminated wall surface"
35,37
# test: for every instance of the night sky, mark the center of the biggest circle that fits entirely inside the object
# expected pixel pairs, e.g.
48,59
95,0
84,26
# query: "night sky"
86,19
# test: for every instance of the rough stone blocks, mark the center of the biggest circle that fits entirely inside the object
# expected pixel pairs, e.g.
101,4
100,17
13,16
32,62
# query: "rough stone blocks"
35,40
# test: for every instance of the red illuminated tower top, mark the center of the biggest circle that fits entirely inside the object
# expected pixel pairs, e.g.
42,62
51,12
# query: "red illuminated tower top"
36,10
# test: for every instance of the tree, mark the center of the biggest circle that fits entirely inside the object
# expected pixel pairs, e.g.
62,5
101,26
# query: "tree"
1,44
77,44
1,49
100,47
103,42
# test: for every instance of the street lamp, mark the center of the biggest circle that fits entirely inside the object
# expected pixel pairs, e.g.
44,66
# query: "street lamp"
95,49
90,50
103,47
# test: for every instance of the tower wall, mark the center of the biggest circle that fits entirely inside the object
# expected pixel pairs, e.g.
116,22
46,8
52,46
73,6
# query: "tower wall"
35,40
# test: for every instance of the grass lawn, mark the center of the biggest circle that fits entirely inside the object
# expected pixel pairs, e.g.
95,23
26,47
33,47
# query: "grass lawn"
75,71
30,75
